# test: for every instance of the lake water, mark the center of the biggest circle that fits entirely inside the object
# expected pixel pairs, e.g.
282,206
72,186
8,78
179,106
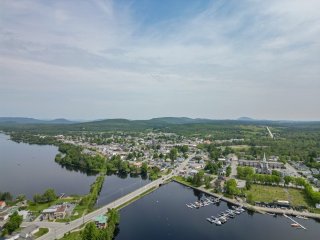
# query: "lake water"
164,215
30,169
115,187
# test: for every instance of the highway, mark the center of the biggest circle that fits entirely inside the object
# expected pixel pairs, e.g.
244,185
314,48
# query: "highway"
57,230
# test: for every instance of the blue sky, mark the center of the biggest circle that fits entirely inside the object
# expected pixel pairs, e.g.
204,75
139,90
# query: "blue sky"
141,59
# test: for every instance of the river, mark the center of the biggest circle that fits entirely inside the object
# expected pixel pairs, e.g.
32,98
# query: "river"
164,215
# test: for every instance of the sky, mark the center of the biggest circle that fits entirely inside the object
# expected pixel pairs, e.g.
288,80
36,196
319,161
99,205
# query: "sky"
139,59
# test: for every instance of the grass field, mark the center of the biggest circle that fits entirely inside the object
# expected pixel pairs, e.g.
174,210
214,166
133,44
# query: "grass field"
182,180
240,147
42,231
262,193
72,236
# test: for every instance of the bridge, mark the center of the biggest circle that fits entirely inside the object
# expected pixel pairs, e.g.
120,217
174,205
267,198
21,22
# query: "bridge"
57,230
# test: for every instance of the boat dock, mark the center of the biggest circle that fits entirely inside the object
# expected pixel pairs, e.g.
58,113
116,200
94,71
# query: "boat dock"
203,202
258,209
223,217
295,222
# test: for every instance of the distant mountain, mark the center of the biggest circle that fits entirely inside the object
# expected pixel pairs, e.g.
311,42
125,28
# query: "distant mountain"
246,119
178,120
23,120
61,121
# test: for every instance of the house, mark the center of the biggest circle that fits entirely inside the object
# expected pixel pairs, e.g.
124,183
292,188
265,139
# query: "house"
101,221
24,214
222,171
137,164
48,213
221,159
60,212
29,231
193,172
2,204
241,184
56,212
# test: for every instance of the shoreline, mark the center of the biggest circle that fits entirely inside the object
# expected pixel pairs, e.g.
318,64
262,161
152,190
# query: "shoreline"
261,210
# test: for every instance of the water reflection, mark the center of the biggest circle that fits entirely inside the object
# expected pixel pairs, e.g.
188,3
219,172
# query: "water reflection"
165,216
30,169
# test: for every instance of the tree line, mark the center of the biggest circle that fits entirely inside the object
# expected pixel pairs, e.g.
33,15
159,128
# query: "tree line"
73,156
48,196
91,232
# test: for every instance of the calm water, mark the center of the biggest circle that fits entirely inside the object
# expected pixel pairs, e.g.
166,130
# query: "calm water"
115,187
30,169
164,215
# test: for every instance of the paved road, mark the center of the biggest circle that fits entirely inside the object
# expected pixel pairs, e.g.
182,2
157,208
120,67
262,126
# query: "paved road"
270,133
234,165
57,230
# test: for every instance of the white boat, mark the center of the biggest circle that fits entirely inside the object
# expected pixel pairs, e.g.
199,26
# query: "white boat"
302,217
215,220
271,214
223,219
241,209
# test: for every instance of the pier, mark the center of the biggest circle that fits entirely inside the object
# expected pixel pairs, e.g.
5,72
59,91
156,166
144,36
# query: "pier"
294,221
257,209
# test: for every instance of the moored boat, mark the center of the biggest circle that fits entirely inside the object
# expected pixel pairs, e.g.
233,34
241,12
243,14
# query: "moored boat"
302,217
295,225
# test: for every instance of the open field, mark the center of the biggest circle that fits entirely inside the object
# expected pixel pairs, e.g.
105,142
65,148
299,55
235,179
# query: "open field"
240,147
262,193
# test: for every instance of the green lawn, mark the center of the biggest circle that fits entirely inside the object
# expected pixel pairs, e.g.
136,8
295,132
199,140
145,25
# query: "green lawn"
42,231
262,193
72,236
240,147
182,180
37,208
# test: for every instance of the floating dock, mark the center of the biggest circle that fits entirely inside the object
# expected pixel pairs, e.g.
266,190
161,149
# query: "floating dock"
294,221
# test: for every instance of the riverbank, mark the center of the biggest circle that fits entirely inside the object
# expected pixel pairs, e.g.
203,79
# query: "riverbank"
261,210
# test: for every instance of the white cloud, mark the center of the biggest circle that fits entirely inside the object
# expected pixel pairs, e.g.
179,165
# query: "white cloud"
224,58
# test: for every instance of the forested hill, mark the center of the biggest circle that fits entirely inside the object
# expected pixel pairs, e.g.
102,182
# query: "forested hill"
24,120
180,125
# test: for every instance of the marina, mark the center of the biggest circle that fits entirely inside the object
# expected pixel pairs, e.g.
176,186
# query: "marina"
165,216
203,202
226,215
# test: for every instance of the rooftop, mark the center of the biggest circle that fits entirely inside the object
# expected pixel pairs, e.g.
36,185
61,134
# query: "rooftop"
101,219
